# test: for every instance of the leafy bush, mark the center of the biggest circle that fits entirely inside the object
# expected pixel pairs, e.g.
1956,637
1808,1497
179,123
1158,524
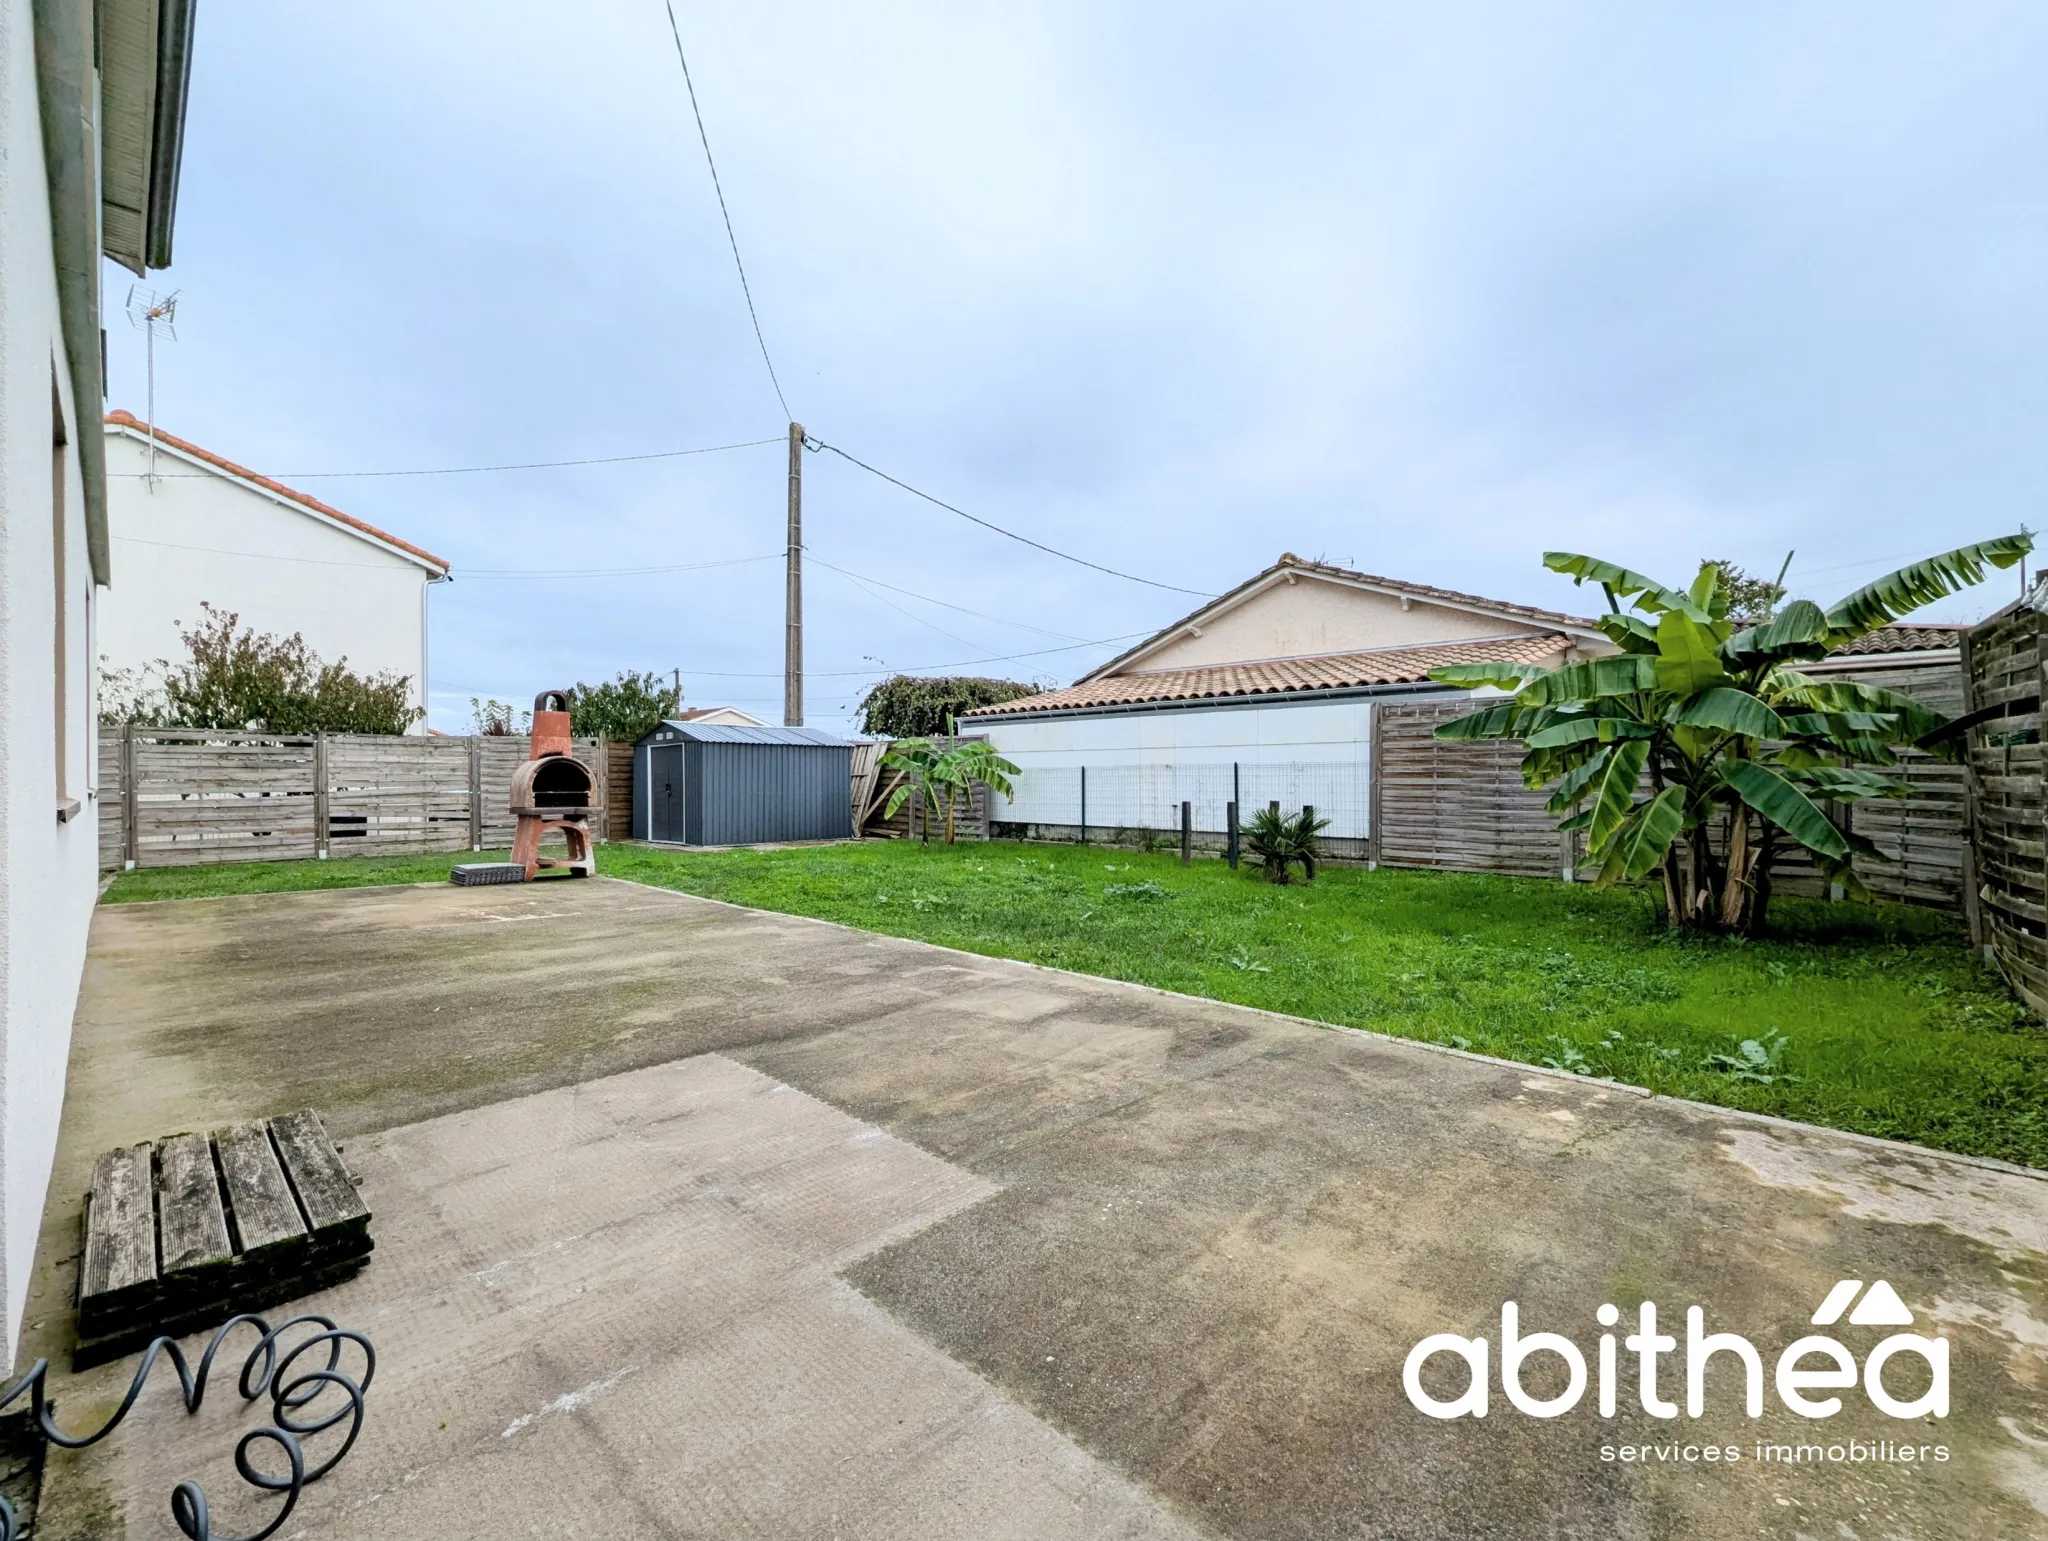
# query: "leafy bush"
235,677
623,708
492,718
904,706
1144,893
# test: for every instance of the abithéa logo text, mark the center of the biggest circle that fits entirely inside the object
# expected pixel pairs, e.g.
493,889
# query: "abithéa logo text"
1816,1363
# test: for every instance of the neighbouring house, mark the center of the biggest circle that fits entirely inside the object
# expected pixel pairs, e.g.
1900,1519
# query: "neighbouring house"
92,115
1264,694
725,716
204,529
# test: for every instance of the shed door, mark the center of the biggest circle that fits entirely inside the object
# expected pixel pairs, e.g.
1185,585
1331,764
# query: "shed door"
665,810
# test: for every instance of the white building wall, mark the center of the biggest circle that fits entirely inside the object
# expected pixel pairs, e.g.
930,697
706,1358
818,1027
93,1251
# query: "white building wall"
48,870
196,534
1314,615
1142,765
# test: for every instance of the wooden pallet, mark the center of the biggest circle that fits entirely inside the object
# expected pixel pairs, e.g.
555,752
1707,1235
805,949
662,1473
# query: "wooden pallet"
185,1232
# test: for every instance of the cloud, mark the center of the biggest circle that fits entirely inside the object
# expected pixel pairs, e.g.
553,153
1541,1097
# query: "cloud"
1428,290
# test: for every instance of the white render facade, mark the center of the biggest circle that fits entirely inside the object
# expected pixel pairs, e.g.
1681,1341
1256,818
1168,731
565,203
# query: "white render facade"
205,530
49,864
90,145
91,140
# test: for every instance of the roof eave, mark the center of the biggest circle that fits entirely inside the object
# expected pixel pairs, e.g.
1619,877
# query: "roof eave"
332,518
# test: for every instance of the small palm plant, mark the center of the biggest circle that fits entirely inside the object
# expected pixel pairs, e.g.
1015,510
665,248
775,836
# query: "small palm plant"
1281,839
938,777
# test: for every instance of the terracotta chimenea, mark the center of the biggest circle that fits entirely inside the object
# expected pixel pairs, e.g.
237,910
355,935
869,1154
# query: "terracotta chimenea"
552,790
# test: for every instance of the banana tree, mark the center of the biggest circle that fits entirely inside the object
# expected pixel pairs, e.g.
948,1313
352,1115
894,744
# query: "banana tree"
944,776
1696,753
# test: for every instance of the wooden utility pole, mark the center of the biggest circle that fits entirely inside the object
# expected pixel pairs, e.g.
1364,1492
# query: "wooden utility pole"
793,594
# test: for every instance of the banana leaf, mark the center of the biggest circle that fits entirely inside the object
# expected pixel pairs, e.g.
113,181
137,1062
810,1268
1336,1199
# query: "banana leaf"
1585,729
1898,593
1576,784
1732,711
1630,633
1491,673
1688,654
1842,784
1502,721
1595,679
1778,800
1650,596
1643,839
1915,718
1615,796
1798,631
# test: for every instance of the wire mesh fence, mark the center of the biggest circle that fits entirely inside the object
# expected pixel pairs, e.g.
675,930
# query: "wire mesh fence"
1148,797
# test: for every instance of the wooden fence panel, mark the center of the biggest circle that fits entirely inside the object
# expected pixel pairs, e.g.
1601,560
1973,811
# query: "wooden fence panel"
205,797
396,796
2004,783
618,789
113,786
1457,805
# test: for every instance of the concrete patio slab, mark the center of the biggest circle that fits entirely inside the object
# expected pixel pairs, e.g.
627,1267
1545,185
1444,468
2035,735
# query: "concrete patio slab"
1213,1235
615,1309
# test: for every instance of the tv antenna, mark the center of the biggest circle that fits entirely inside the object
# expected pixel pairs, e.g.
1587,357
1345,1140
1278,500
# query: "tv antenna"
152,314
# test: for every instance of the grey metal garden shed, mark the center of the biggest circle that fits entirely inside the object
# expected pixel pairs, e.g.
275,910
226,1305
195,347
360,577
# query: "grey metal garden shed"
712,784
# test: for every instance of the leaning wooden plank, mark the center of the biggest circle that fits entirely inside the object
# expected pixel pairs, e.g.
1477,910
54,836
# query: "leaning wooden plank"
118,1271
191,1223
327,1194
260,1203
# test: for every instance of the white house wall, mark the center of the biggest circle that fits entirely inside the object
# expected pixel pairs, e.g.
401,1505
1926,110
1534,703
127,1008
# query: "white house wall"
199,535
48,869
1314,615
1142,765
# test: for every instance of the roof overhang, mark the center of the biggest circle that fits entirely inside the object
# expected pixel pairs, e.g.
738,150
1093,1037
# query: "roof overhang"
145,70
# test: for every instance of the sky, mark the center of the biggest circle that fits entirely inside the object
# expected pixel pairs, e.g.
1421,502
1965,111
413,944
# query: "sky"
1421,290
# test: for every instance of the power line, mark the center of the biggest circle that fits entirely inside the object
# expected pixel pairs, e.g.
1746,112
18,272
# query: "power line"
1065,556
528,465
745,288
497,573
961,663
980,615
884,599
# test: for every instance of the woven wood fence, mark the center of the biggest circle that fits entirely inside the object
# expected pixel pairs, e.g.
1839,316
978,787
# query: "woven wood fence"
2007,875
176,796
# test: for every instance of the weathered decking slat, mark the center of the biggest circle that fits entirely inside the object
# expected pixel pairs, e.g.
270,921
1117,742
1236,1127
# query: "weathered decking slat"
118,1271
184,1234
260,1204
191,1222
327,1194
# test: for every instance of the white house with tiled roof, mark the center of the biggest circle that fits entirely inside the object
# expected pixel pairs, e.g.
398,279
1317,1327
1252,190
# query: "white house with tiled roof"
1265,693
204,529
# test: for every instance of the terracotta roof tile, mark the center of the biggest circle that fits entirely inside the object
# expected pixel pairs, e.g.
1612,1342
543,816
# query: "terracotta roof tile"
1332,671
122,419
1924,638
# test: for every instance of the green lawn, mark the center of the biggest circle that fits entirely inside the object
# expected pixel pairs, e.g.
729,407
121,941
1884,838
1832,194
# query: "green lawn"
1888,1025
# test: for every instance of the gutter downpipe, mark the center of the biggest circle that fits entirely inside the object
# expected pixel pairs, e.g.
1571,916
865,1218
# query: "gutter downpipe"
66,92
